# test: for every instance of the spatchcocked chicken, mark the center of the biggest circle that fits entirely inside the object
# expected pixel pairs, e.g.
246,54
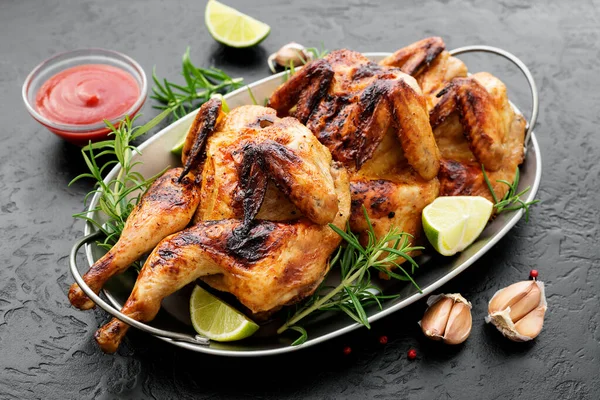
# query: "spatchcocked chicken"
373,119
267,191
472,120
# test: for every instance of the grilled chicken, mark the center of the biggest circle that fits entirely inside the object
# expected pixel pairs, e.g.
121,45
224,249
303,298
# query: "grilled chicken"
373,119
472,120
255,164
430,64
167,207
475,125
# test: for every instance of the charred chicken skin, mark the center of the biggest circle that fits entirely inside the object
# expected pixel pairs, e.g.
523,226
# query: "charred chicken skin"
472,120
374,120
167,207
268,189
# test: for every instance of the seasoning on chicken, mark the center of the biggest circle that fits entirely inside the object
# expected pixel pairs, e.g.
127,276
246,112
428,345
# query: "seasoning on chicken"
373,119
252,158
472,120
167,207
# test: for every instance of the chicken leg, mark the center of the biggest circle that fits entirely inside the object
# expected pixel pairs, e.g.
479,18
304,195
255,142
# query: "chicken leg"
167,207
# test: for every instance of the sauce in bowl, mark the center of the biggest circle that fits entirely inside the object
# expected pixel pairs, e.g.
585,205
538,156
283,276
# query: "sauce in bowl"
87,94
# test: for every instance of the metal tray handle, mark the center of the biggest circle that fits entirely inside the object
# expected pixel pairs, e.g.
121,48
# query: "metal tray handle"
181,337
515,60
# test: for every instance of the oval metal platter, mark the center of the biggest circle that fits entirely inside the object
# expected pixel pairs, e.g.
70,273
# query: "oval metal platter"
174,318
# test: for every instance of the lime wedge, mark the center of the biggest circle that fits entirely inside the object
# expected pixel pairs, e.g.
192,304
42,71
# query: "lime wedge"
453,223
217,320
232,28
178,148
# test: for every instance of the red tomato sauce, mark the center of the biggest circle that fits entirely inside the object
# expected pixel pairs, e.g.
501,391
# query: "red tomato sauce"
87,94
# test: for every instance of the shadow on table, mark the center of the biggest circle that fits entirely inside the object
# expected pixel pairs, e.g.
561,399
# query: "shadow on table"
228,56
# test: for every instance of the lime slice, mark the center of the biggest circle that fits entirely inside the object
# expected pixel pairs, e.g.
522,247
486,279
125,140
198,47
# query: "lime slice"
178,148
216,319
453,223
232,28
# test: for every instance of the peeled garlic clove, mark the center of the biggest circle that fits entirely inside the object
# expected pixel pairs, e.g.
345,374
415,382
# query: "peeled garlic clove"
436,317
448,318
526,304
520,317
459,324
531,324
509,295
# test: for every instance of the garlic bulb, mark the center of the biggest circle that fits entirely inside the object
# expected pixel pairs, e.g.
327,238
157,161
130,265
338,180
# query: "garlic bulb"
518,310
447,318
291,54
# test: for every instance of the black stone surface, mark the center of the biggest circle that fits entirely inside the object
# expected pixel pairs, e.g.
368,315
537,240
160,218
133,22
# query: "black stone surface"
46,346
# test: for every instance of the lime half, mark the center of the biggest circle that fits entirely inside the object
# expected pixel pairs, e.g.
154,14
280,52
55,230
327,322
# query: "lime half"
217,320
453,223
233,28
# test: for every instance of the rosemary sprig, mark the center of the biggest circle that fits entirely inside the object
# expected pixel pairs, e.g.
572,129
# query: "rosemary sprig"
200,85
512,199
355,290
119,196
317,53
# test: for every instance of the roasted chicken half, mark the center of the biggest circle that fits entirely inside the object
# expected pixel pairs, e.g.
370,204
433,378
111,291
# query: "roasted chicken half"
373,119
472,120
268,191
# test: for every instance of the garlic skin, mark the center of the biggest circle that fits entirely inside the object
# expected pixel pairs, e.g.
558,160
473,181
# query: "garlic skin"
447,318
518,310
291,54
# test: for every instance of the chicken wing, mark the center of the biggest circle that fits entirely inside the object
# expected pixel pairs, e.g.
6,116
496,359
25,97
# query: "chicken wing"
475,125
168,206
430,64
472,120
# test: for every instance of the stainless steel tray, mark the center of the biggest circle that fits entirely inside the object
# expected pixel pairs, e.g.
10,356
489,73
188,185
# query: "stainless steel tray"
172,323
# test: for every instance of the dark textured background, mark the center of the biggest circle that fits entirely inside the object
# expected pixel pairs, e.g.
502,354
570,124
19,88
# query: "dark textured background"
46,346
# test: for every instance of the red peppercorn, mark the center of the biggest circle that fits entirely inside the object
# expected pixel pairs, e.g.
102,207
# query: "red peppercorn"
533,274
383,339
412,354
347,350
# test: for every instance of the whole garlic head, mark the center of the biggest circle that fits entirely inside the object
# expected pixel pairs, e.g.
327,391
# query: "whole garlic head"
447,318
518,310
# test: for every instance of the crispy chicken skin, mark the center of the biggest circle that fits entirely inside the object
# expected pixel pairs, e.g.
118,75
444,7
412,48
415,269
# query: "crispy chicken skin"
165,208
474,124
252,158
373,119
298,165
472,120
430,64
349,103
279,263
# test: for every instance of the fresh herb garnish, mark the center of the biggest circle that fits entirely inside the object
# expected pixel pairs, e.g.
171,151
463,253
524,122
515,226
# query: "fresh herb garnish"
355,262
512,199
119,196
200,85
